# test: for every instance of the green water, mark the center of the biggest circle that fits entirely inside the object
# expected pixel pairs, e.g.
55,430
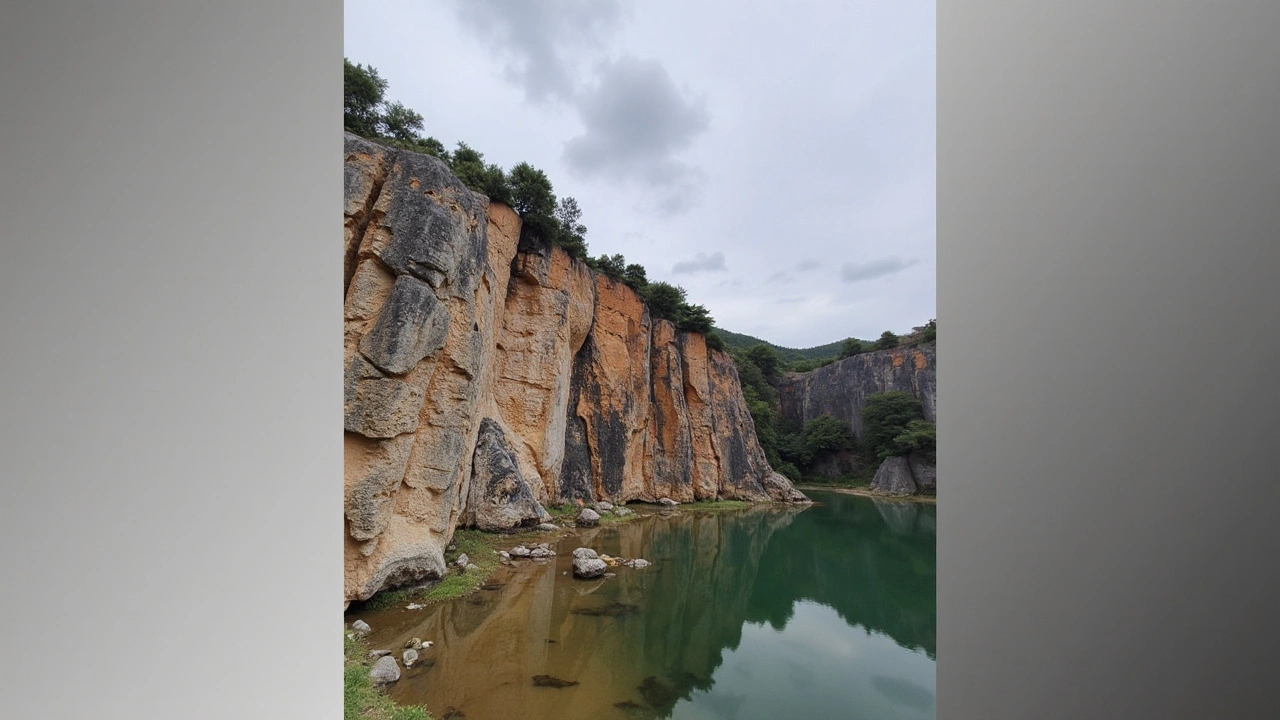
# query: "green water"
826,611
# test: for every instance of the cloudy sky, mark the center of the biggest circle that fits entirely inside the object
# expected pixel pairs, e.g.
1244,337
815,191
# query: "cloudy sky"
774,159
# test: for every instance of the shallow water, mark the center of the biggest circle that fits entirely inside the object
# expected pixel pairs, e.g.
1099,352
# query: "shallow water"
826,611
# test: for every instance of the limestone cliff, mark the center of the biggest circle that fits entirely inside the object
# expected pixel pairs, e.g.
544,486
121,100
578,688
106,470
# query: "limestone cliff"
841,388
486,378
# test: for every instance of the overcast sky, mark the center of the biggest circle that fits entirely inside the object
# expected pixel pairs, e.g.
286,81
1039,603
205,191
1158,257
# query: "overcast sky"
774,159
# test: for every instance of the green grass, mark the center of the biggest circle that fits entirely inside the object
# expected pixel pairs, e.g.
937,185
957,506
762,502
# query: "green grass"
561,512
363,700
715,505
479,547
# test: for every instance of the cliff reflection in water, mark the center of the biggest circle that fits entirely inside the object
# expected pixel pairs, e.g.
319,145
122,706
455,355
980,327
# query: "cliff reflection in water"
639,643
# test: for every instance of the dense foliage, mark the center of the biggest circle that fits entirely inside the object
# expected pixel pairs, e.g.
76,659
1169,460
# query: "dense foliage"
893,424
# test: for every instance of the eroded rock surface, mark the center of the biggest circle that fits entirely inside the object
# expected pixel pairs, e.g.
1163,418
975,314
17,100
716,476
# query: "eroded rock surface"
489,375
841,388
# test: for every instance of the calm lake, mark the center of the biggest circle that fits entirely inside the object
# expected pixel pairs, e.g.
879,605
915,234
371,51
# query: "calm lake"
824,611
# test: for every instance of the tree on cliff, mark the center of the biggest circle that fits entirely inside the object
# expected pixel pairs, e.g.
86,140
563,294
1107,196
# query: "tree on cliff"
851,347
664,299
887,340
362,90
469,166
765,358
401,123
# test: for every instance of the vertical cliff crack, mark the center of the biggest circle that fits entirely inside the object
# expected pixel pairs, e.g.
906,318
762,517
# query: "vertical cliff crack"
365,217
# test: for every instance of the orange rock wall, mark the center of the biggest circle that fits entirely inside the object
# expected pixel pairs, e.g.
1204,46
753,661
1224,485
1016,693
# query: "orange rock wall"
452,319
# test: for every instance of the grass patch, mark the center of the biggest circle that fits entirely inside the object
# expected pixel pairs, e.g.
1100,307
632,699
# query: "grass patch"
479,547
560,512
713,505
361,699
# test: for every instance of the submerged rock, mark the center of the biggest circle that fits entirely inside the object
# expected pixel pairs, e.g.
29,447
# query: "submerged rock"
552,681
386,670
410,657
588,567
548,527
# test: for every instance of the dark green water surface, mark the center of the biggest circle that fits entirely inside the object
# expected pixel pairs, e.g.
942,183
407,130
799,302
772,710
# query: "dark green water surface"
825,611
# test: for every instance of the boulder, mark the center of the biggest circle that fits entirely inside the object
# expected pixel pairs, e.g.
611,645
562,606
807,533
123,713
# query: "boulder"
520,552
925,474
463,560
780,489
385,671
361,628
604,506
410,657
375,654
583,553
548,527
588,567
501,498
894,478
588,517
414,644
667,501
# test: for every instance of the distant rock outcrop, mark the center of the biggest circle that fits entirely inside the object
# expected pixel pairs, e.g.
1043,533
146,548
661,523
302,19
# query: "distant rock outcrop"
841,388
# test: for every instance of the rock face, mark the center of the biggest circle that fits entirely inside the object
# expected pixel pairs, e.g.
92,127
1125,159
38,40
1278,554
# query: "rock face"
487,376
841,388
905,475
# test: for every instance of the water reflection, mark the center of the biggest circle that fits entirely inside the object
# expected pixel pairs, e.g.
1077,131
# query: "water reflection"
826,611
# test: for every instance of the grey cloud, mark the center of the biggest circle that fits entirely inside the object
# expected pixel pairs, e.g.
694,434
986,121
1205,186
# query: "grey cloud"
701,262
789,300
861,271
536,35
636,120
782,276
808,264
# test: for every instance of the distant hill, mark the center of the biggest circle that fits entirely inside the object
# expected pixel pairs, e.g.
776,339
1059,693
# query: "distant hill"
738,340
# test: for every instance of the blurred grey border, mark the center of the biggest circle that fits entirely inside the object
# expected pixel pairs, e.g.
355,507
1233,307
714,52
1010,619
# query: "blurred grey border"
1108,186
1108,222
171,323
